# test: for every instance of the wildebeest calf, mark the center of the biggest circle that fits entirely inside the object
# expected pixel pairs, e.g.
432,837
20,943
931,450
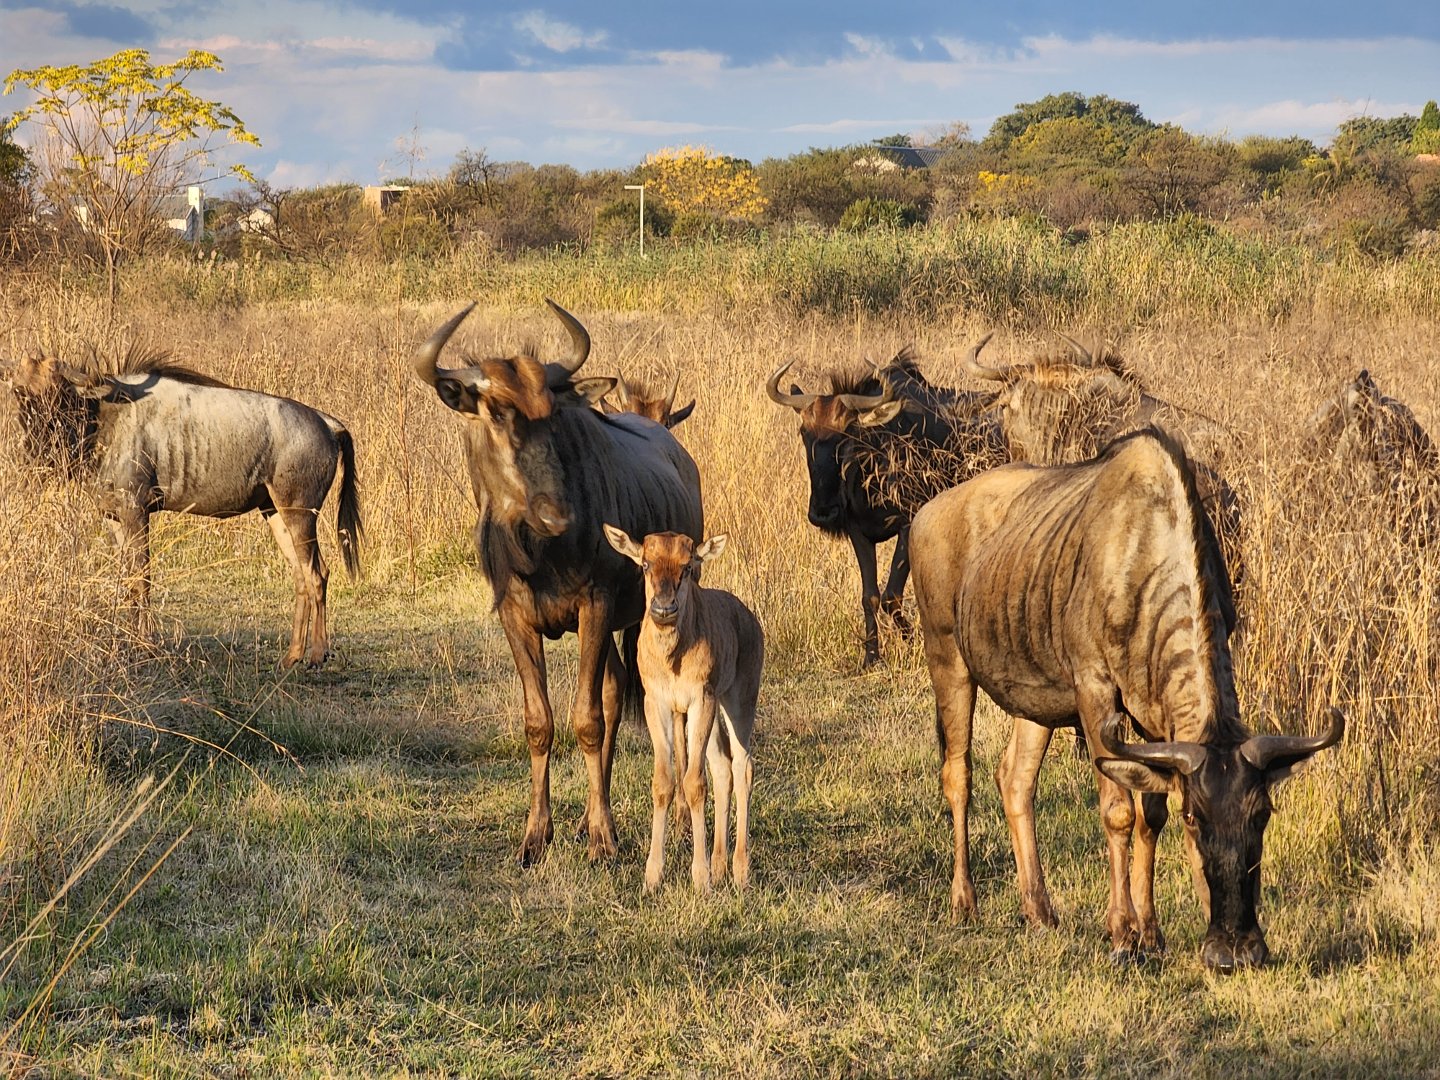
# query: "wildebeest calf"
700,653
158,436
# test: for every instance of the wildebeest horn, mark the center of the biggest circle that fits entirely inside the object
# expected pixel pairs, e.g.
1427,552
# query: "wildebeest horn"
1082,354
622,391
428,355
971,362
579,337
1181,757
670,397
862,402
1261,750
780,397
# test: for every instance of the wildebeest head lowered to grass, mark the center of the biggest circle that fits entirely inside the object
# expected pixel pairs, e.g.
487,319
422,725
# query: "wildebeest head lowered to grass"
1095,595
1062,409
548,471
877,446
158,436
1377,441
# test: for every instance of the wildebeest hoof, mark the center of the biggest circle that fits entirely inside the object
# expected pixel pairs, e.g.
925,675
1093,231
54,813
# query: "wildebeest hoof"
531,850
1127,955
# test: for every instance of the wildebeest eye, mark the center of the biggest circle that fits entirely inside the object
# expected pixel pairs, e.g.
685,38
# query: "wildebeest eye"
644,567
1189,816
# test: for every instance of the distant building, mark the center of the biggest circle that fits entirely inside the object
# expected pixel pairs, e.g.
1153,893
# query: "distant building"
381,198
886,158
185,213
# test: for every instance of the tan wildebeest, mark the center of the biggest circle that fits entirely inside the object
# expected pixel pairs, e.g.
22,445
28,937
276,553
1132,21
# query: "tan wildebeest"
700,654
639,399
159,436
1095,595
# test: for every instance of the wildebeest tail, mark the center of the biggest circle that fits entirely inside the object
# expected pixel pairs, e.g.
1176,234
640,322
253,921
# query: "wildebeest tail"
632,703
347,522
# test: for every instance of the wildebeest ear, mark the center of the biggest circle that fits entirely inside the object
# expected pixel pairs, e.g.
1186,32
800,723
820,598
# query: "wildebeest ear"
592,390
1138,776
622,542
457,395
881,414
680,414
711,548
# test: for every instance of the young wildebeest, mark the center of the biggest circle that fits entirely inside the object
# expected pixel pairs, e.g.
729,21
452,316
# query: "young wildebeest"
1379,443
642,401
158,436
1095,595
876,447
700,653
548,470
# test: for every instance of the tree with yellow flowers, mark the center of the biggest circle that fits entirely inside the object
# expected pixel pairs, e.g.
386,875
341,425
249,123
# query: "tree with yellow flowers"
117,136
692,180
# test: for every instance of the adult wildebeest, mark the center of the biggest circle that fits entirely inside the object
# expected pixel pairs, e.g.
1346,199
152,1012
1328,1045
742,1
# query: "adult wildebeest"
877,446
700,655
158,436
1377,441
1058,410
1096,595
548,470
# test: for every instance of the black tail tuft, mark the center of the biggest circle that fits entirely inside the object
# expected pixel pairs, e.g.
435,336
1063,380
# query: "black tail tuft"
347,522
632,703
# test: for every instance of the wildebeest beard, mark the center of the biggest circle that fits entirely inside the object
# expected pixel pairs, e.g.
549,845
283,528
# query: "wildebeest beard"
506,551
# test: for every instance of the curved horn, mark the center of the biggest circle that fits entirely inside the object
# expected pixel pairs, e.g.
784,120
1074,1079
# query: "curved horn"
971,362
1181,757
622,391
780,397
862,402
670,397
1261,750
579,337
1082,354
427,355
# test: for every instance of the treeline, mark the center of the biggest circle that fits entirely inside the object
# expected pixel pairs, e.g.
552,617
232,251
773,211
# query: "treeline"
1069,162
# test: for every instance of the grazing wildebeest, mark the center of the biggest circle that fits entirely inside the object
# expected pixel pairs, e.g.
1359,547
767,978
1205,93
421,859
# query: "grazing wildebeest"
158,436
1096,595
1379,443
1058,410
877,446
548,470
700,654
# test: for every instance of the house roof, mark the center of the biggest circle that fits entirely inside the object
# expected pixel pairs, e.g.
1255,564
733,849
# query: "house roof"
911,157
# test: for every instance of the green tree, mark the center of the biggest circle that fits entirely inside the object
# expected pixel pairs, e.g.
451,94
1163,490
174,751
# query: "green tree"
1364,134
119,135
1426,139
1123,118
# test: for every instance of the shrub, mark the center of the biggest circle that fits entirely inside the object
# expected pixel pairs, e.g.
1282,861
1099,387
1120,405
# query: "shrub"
863,215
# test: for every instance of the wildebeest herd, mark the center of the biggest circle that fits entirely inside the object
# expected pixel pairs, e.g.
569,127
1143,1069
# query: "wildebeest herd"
1071,536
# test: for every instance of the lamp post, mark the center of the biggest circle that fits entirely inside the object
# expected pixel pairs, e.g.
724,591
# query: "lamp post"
640,188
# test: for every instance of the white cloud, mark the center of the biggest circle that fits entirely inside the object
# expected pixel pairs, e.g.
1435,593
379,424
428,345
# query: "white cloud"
558,36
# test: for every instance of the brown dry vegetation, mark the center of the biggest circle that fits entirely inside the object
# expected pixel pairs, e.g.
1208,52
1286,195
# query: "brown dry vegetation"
349,905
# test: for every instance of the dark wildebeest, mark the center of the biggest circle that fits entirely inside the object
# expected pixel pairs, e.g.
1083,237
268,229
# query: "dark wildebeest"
1377,441
158,436
548,471
700,655
1096,595
1059,410
877,446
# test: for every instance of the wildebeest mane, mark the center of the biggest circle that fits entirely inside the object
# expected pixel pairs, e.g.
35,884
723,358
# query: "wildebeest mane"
146,360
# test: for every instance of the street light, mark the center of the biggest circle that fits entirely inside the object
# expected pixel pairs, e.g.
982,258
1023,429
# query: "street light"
640,188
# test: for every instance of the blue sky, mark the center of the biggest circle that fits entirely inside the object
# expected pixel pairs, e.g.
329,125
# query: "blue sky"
334,88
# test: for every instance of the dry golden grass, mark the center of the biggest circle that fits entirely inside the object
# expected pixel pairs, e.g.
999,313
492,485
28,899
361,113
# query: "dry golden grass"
841,961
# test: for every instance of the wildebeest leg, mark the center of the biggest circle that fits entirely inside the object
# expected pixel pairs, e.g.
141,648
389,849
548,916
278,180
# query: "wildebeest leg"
1154,812
1197,873
1117,811
662,786
682,808
717,758
869,593
529,652
295,534
744,772
1016,776
894,594
596,738
698,725
954,716
131,530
